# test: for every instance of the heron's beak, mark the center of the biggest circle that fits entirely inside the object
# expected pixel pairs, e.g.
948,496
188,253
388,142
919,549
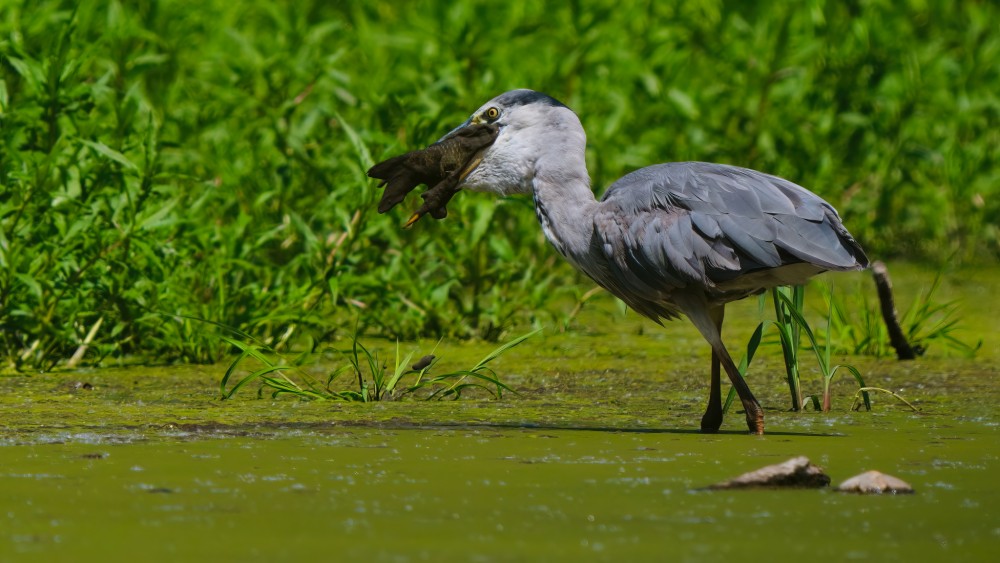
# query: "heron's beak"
454,132
472,159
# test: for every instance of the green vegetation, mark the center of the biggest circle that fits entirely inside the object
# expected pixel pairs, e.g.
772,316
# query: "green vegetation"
381,384
163,163
790,324
789,304
861,333
858,328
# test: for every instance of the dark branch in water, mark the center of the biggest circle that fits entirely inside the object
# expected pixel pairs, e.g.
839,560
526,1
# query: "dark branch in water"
896,337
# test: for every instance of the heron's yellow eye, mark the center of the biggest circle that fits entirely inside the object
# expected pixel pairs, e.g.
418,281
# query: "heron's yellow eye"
492,113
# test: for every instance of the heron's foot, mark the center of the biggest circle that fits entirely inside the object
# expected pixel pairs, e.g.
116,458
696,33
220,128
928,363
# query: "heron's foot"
755,418
711,421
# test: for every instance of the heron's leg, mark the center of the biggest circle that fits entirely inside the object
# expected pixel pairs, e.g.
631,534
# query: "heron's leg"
698,310
712,419
754,412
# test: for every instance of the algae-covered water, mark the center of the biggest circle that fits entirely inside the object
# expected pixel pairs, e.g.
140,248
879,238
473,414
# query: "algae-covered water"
596,458
469,494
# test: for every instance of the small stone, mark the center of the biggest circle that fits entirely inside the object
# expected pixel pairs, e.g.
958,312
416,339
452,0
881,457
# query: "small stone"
875,483
797,472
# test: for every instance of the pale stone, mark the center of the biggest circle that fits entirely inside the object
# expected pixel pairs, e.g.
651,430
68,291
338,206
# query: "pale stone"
797,472
875,483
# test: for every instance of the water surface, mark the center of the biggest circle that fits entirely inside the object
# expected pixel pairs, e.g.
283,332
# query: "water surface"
596,459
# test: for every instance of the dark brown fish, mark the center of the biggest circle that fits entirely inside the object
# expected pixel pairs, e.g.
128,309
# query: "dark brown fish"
441,166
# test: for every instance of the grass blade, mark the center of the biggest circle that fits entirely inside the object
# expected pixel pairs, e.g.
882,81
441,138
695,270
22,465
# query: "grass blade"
501,350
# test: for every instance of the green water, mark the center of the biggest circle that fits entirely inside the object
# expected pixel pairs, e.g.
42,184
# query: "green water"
469,494
596,459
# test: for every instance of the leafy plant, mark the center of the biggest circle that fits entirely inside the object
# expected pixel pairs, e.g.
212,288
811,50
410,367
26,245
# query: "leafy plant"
792,307
786,300
789,303
858,328
375,382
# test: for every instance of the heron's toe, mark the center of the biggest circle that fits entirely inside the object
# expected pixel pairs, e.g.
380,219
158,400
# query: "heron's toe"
755,422
711,422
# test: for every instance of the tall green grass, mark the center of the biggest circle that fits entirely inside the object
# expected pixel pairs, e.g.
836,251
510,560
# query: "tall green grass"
857,327
852,327
790,325
167,161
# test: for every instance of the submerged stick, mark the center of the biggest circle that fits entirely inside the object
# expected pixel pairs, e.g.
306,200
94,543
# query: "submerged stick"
896,337
857,397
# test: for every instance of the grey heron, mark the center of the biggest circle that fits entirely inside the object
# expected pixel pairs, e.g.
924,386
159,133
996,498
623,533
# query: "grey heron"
682,238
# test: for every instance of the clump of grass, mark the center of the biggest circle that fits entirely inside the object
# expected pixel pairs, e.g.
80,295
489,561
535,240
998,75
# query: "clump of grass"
786,300
858,328
366,371
791,324
789,308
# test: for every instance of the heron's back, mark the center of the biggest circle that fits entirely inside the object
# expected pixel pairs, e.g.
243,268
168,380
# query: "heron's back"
729,230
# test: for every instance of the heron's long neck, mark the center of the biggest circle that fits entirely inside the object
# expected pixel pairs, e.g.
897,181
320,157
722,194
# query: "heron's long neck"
564,203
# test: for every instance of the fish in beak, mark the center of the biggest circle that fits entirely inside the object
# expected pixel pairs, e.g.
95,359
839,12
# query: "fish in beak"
442,166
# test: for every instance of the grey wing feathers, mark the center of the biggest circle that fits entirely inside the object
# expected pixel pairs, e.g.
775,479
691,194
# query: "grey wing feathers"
665,227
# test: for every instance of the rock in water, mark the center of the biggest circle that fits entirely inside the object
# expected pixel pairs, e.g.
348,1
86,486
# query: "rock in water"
797,472
875,483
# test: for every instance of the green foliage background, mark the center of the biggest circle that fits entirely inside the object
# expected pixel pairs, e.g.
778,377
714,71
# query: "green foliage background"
206,158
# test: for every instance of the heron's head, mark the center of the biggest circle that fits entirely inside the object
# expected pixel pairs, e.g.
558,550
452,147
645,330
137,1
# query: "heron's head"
538,134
